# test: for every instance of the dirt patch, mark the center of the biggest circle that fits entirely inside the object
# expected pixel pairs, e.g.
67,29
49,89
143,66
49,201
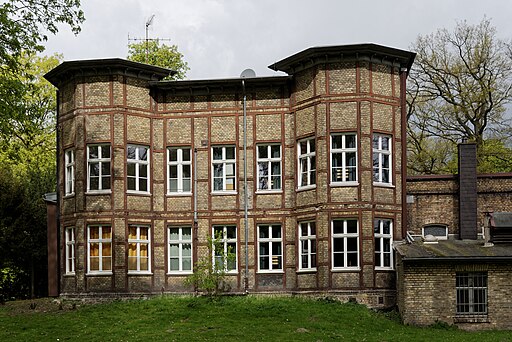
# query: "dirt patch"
39,305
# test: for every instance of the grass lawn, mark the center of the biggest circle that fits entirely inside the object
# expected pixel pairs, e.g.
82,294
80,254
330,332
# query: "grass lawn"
226,319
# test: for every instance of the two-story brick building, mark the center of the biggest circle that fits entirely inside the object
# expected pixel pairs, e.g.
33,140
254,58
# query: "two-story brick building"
148,169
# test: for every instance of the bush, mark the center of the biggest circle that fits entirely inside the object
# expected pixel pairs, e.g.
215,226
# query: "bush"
12,283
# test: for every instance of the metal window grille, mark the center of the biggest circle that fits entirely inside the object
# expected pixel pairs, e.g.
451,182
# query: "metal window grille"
471,290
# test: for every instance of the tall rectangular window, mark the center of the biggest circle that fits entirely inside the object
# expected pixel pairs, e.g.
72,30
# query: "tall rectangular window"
99,249
307,162
139,246
223,164
471,290
269,167
180,250
381,159
137,159
343,158
179,170
69,173
98,168
383,234
270,248
345,244
70,250
225,252
307,241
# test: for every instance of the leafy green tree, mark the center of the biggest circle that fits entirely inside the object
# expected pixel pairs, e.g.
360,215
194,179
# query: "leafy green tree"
24,25
458,89
162,55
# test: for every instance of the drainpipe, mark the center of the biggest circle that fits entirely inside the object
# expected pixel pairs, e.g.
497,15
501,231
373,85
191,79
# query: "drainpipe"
246,196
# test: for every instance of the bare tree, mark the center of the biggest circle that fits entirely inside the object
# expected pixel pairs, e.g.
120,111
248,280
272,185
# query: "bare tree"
460,84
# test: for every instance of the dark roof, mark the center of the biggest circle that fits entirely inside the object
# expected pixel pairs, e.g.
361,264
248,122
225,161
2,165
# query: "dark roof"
447,250
97,67
339,53
501,220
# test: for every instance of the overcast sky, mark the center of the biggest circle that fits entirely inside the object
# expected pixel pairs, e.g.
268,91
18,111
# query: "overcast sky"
220,38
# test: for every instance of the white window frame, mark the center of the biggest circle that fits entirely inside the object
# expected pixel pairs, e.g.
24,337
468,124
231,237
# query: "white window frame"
100,241
69,236
424,231
471,294
345,236
265,163
271,241
139,165
383,240
380,154
180,164
138,241
224,162
226,242
307,243
180,242
307,161
101,161
343,169
69,172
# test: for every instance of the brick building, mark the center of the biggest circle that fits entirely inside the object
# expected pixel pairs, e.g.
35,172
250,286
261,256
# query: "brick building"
140,158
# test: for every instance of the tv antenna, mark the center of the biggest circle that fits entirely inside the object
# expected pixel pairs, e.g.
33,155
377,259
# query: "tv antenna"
148,23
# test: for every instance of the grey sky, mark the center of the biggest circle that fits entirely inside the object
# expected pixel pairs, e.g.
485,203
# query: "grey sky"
220,38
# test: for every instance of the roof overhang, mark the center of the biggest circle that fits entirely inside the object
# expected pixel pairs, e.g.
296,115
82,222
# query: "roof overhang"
100,67
345,53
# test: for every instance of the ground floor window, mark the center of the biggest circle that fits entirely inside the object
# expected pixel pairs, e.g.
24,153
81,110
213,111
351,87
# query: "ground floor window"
471,290
70,250
99,245
180,249
270,248
307,239
138,249
224,248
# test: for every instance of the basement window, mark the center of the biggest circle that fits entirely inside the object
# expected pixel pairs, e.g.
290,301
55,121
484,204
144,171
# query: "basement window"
438,230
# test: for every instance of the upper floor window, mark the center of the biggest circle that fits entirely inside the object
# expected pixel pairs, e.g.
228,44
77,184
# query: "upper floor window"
269,167
99,249
343,158
225,252
137,159
180,249
69,173
70,250
179,170
270,248
381,159
223,164
438,230
307,241
345,244
307,162
98,168
383,234
139,249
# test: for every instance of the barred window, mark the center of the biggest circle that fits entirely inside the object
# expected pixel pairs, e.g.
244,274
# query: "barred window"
471,290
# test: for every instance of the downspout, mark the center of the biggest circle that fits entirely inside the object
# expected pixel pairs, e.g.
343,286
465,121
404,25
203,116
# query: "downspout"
403,109
246,195
196,225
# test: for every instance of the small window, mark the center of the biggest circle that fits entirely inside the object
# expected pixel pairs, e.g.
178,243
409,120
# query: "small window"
471,290
306,151
439,231
70,250
69,173
383,235
307,241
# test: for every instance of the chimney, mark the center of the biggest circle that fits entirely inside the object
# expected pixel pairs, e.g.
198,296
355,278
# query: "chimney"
467,191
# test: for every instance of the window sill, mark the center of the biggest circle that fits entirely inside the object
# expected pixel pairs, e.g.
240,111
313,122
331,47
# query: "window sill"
139,273
69,274
99,192
473,318
306,188
383,185
179,194
138,193
377,268
223,193
345,269
66,196
269,192
178,273
99,274
270,272
343,184
306,270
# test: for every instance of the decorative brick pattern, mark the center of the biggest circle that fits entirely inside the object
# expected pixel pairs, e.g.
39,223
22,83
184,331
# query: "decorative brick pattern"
342,78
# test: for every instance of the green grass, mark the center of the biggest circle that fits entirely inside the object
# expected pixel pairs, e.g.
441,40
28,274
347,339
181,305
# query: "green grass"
226,319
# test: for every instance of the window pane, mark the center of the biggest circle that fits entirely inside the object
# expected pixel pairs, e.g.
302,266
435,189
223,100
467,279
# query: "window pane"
143,171
352,244
337,227
276,232
303,147
338,260
351,226
264,233
339,245
105,232
311,145
312,226
130,152
186,234
174,250
350,141
231,232
93,152
186,171
105,151
173,154
106,263
143,153
130,168
337,141
187,264
186,185
105,169
262,152
173,185
144,233
217,153
186,154
187,250
230,153
174,264
132,264
105,183
173,233
94,169
275,151
352,260
132,233
144,264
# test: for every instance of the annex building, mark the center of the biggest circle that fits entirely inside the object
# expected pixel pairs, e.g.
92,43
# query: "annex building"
311,197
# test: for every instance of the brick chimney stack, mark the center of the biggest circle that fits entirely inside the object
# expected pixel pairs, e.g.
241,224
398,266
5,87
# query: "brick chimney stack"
467,191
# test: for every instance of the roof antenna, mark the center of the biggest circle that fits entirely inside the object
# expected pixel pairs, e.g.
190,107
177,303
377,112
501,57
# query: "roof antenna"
148,23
